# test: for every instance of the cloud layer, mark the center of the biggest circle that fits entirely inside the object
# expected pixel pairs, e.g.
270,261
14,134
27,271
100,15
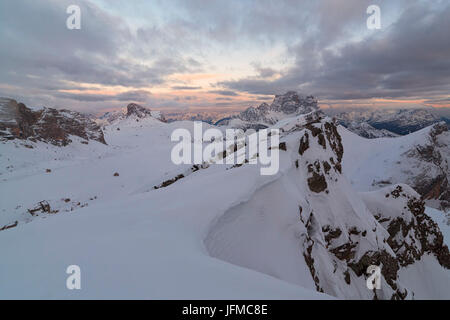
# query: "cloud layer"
195,53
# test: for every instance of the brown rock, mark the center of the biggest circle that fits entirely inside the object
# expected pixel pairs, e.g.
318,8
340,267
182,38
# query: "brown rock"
48,125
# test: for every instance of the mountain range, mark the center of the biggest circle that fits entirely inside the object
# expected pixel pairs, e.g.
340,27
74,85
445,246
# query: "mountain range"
132,110
397,121
140,226
265,115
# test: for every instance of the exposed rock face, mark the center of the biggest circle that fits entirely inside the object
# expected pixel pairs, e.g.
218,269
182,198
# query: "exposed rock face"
285,105
396,232
138,111
255,114
334,233
48,125
411,232
433,156
133,110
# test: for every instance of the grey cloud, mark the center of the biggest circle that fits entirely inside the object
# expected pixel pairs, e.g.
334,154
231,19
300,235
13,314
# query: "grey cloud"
411,58
35,41
333,56
224,92
186,88
134,95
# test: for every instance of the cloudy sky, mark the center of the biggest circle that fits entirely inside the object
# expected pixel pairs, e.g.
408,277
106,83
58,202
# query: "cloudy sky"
224,54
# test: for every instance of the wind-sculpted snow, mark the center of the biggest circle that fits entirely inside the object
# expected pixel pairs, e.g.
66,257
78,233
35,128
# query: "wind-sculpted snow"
312,212
131,241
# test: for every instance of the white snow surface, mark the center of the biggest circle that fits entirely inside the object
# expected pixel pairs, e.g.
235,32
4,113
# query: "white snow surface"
130,241
372,160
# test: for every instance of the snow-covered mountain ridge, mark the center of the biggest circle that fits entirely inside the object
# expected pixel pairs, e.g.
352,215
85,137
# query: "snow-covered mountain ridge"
419,159
312,206
398,121
133,111
304,233
365,130
265,115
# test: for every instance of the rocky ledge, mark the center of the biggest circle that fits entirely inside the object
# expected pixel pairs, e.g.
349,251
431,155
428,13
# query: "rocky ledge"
48,125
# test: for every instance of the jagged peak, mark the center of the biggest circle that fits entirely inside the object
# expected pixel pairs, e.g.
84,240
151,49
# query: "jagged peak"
292,102
285,105
137,110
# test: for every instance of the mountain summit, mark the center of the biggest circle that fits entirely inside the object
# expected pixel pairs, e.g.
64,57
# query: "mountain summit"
286,105
47,124
138,111
133,110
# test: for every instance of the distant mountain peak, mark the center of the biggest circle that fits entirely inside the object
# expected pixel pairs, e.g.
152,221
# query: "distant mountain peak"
133,110
291,102
138,110
284,105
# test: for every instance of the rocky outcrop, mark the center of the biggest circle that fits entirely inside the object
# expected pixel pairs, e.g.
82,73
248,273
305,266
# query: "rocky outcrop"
47,124
293,103
395,233
313,221
432,182
400,210
133,110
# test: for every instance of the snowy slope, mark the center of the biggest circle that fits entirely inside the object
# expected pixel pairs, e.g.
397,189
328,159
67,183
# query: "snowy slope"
129,243
419,159
443,221
311,207
143,246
